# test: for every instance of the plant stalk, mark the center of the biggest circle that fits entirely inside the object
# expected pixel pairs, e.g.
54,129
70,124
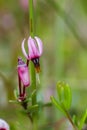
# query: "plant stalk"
69,118
32,69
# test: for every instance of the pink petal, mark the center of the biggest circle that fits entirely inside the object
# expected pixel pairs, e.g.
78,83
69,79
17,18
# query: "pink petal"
23,49
33,50
24,75
4,125
40,45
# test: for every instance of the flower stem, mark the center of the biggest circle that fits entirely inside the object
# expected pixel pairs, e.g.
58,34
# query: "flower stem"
32,69
31,18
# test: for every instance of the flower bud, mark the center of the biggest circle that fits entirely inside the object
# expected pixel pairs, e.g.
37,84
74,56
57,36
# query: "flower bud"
23,72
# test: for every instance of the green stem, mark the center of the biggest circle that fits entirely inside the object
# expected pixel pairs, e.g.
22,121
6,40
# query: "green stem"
69,118
32,69
31,18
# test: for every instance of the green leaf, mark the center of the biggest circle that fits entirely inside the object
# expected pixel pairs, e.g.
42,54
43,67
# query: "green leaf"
68,96
16,93
64,94
55,103
47,104
33,93
33,108
60,91
82,120
75,120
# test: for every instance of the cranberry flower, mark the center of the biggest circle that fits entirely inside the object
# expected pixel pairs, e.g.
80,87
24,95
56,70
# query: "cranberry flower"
3,125
35,49
23,76
23,72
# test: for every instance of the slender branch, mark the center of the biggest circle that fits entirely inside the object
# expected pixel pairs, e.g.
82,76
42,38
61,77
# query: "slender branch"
69,118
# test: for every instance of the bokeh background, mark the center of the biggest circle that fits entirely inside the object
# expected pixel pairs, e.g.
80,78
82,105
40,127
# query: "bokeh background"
62,25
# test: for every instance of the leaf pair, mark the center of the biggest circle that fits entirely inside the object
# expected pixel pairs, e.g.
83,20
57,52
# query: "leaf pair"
64,104
64,96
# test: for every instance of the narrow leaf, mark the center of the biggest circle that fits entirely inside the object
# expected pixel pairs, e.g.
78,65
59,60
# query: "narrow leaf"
16,93
60,91
55,103
64,94
33,93
82,120
75,120
33,108
68,96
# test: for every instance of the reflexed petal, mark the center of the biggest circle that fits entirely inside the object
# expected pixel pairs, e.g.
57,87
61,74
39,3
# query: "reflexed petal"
33,49
40,45
23,49
3,125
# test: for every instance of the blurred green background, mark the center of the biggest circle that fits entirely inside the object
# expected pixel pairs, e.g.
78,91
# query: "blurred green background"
62,26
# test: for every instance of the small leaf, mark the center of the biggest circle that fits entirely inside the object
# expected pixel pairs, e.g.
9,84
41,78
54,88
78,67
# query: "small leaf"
47,104
33,93
13,101
64,94
55,103
68,96
28,99
82,120
33,108
16,93
60,91
75,120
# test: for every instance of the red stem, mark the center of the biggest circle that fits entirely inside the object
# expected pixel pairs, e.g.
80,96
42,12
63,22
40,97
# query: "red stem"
19,86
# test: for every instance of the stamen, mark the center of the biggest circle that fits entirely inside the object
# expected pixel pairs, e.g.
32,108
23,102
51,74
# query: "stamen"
36,64
37,69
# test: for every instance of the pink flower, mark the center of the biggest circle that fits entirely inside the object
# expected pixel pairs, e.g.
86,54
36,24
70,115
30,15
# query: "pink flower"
24,4
3,125
35,49
23,73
